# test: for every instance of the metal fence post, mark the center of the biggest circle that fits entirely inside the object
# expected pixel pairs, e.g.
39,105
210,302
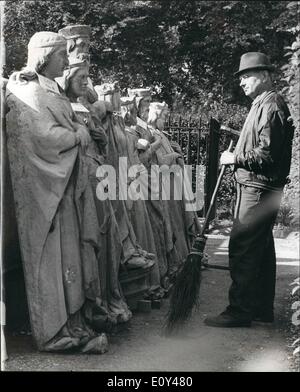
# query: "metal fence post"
212,164
179,133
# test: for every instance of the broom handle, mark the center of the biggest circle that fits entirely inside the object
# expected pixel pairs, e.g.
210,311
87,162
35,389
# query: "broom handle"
213,198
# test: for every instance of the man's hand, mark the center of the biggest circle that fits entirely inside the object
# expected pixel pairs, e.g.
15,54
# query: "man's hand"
227,158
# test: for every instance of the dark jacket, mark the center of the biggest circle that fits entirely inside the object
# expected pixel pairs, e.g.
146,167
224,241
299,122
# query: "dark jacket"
263,152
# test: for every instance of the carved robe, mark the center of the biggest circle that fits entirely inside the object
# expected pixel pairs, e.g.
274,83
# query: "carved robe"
182,221
102,243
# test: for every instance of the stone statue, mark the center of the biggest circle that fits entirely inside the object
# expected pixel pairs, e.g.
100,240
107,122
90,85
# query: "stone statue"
160,223
113,123
122,145
43,138
101,240
140,217
184,223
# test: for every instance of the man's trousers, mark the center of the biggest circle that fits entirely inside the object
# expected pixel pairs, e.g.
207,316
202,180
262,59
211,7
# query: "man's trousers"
252,259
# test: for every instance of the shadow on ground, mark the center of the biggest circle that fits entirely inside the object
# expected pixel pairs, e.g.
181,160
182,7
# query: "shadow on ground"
142,346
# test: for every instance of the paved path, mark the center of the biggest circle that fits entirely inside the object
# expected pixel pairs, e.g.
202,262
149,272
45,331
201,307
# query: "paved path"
142,346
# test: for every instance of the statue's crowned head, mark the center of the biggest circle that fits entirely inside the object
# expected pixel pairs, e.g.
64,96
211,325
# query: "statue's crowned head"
78,40
143,99
129,110
110,92
74,79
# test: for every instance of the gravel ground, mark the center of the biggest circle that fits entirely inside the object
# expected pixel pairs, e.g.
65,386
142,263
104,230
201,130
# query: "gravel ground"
142,346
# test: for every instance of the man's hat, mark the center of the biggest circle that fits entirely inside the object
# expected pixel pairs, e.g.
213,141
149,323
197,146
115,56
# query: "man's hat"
254,60
75,31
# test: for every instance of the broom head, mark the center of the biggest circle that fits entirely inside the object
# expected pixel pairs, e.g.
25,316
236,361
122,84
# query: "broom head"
185,292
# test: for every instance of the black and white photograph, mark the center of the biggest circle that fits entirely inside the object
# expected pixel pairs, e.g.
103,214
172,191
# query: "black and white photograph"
150,189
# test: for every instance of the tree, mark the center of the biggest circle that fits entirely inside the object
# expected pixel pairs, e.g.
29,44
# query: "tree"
183,49
186,51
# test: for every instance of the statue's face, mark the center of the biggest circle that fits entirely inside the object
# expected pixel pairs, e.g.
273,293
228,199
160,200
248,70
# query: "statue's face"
79,83
133,112
144,107
58,61
129,113
161,119
163,115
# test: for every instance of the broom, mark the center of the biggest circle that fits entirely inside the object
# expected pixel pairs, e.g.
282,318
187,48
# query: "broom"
185,292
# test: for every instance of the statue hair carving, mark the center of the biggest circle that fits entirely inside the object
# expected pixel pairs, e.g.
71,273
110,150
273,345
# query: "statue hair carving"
71,44
38,58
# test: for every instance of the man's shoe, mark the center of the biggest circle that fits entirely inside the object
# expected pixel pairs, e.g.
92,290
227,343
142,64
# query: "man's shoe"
264,318
226,320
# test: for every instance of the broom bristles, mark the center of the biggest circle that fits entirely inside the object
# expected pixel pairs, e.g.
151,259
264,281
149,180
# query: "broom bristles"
185,293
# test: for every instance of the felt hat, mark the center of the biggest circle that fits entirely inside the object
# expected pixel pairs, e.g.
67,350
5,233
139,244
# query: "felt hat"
75,31
254,61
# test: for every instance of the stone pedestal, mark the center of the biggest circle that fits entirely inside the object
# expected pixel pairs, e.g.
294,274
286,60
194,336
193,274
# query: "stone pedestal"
135,284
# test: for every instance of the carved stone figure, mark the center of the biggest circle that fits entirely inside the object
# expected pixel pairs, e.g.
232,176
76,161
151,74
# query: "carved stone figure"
143,99
101,240
184,223
121,145
117,147
43,136
160,223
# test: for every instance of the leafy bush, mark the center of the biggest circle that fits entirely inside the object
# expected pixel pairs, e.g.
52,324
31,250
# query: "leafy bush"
291,91
295,316
286,215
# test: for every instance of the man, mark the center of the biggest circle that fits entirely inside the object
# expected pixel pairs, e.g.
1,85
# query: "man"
261,163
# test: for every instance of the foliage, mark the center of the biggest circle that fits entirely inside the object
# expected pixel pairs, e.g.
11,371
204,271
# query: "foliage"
291,90
184,49
286,215
295,316
187,51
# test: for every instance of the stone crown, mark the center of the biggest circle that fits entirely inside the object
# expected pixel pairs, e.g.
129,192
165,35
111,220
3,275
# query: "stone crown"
75,31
